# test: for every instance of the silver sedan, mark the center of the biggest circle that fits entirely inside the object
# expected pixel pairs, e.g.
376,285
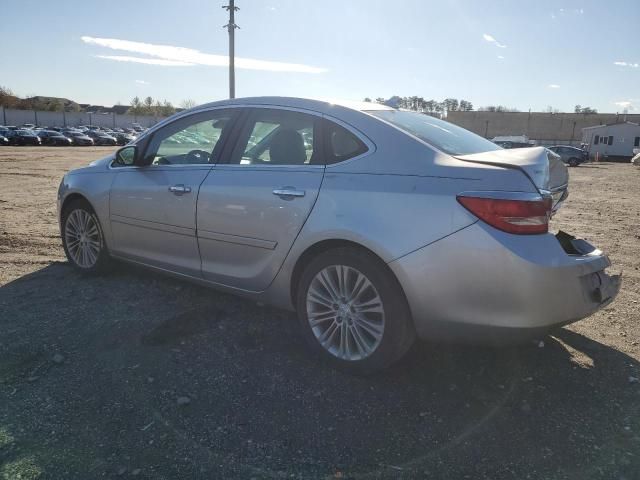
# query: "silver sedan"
375,225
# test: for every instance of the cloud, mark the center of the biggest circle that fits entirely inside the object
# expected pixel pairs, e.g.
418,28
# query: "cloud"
142,82
500,57
171,56
628,105
553,85
627,64
491,39
147,61
562,12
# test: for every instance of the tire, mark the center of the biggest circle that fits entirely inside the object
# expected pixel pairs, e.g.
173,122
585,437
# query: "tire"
573,162
374,336
81,224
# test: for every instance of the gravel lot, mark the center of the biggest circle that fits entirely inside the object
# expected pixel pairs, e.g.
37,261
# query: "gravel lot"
138,375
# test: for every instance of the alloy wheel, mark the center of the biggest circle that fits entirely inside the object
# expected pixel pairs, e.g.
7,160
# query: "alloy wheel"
83,239
345,312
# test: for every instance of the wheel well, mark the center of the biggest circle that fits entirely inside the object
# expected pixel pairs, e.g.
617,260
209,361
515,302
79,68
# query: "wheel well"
72,198
317,249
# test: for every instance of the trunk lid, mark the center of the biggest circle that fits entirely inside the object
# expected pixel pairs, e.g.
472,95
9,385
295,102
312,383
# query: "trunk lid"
544,168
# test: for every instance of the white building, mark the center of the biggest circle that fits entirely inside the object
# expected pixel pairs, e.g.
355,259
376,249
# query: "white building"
613,140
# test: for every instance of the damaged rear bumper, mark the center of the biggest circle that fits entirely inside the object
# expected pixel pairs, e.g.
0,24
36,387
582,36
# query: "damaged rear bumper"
482,285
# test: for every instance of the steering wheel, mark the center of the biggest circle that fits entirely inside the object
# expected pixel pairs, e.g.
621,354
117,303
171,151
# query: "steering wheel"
197,156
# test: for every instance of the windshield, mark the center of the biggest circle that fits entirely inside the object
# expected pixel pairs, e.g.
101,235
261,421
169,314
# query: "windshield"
443,135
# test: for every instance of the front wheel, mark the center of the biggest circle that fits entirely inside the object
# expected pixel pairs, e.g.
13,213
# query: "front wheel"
353,311
573,162
82,238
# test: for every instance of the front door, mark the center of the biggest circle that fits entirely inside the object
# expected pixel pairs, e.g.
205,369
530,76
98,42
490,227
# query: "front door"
251,209
153,206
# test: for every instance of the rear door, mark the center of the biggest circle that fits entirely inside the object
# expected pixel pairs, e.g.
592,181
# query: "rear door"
153,207
251,208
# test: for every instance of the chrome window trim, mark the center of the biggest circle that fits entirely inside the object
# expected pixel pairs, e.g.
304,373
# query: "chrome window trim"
365,139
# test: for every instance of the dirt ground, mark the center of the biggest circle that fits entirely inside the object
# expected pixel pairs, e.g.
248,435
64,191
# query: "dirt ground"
137,375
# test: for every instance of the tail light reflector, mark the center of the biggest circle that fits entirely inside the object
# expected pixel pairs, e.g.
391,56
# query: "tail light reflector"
523,217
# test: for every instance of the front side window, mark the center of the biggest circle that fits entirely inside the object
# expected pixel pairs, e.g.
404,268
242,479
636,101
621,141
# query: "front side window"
278,137
444,136
610,140
596,140
636,142
188,141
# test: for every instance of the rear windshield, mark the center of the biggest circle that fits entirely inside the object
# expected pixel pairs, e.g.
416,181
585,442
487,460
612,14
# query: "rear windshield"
443,135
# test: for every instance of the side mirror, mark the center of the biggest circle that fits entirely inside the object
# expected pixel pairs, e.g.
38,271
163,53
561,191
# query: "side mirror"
127,156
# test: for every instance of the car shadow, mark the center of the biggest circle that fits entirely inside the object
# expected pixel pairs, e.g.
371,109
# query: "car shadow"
137,371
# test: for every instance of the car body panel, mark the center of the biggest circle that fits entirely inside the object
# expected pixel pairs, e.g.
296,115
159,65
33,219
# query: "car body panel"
149,222
508,282
245,231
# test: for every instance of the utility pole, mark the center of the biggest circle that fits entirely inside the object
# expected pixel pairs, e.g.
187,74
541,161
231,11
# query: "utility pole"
231,27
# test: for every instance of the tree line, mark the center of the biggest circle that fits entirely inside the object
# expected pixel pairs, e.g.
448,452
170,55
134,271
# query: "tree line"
149,106
138,106
434,107
419,104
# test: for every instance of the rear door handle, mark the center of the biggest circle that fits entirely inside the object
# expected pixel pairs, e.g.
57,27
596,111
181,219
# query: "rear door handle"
288,192
179,189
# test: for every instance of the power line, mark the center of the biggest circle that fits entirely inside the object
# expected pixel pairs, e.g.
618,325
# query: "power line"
231,27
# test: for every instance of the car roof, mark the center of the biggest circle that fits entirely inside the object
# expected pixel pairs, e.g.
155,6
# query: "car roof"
319,105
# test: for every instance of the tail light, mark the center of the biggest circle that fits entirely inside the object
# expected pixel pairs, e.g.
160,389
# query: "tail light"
523,217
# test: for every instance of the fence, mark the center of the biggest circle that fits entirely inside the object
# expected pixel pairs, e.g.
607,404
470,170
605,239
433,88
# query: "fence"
545,128
73,119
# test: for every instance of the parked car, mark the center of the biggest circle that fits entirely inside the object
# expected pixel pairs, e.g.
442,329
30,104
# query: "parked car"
28,126
123,138
4,141
636,160
509,144
100,138
51,137
572,156
79,138
23,137
385,226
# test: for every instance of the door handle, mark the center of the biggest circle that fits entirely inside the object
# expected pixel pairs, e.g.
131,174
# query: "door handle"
179,189
288,192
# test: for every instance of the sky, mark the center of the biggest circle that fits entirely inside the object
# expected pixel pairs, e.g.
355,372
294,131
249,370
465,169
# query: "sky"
517,53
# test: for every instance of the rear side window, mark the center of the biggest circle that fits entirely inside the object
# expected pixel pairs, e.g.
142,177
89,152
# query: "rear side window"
341,144
278,137
445,136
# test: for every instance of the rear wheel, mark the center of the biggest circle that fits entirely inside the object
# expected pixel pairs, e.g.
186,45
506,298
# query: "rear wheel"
353,311
573,162
82,238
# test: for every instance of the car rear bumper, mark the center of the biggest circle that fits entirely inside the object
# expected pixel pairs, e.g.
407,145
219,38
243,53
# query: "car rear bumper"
486,286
